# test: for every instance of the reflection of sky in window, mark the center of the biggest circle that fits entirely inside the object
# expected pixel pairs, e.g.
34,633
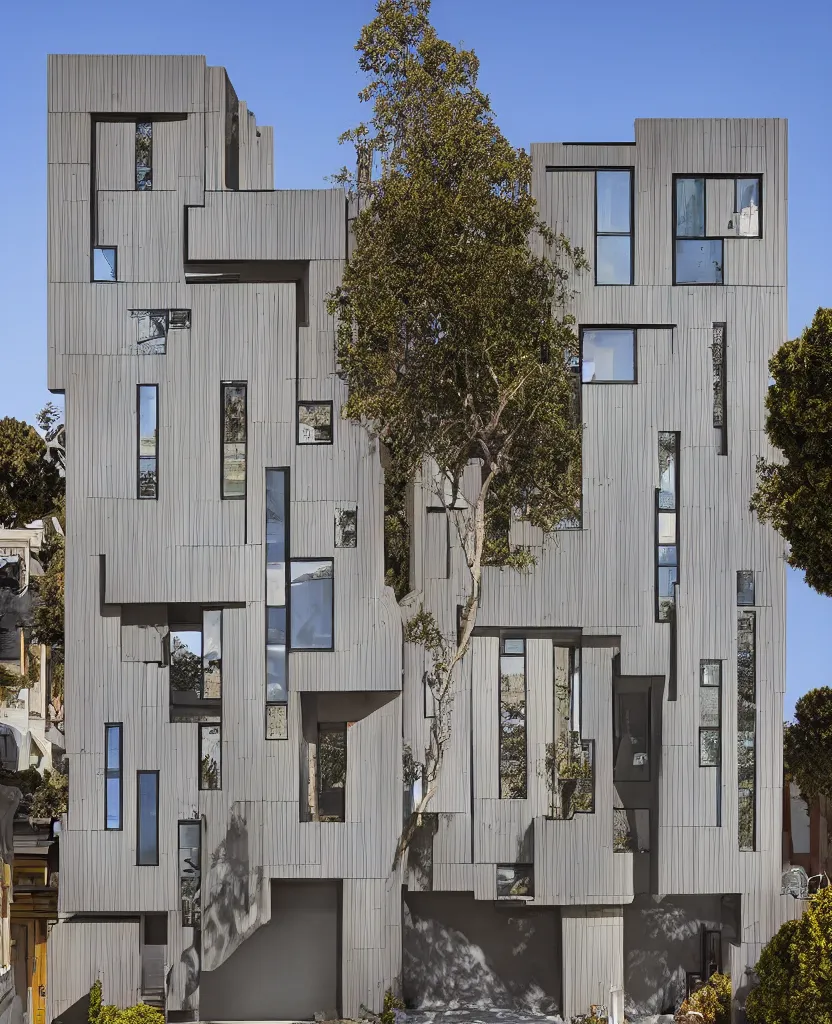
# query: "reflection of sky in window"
147,413
699,262
104,265
275,673
113,803
212,634
613,198
608,356
311,613
613,254
690,207
113,748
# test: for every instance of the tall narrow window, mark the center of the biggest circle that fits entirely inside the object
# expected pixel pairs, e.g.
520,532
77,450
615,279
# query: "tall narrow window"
745,588
667,526
697,259
148,453
147,832
190,872
747,207
332,771
718,365
144,156
614,227
232,137
212,654
113,767
210,756
276,543
513,760
311,609
234,435
747,729
710,714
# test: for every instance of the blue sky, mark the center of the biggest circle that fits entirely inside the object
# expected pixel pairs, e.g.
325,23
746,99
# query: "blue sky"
555,69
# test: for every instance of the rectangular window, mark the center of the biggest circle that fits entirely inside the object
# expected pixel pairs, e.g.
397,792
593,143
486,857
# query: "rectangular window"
190,872
148,453
631,736
210,756
698,259
747,729
147,832
234,435
613,227
211,654
311,607
747,207
667,526
745,588
104,263
152,326
332,771
720,374
608,355
232,137
196,657
346,527
515,881
631,830
314,422
113,767
710,714
513,759
277,530
144,156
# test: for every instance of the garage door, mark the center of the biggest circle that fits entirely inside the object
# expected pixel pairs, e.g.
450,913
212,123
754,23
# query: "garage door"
289,968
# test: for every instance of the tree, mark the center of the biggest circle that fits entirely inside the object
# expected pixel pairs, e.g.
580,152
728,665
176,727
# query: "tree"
807,744
29,485
448,336
795,970
796,496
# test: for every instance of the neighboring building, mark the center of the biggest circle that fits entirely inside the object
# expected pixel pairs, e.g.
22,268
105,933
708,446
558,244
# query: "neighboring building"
806,828
238,692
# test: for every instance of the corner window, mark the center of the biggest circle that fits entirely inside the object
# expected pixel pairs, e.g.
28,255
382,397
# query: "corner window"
210,756
710,714
148,454
613,227
311,599
113,767
104,263
147,832
144,156
608,355
512,718
190,872
314,422
234,437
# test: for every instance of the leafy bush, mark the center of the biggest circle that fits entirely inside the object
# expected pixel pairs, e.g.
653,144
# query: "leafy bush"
94,1011
140,1014
712,1000
389,1014
795,970
50,798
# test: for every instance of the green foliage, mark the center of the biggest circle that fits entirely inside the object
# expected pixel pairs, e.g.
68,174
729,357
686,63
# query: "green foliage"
796,497
795,970
396,532
50,798
712,1000
411,769
807,744
94,1011
29,486
48,622
11,683
185,668
140,1014
209,773
388,1013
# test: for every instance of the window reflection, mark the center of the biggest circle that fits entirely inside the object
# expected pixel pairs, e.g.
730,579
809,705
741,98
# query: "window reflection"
311,604
613,227
699,262
690,207
607,355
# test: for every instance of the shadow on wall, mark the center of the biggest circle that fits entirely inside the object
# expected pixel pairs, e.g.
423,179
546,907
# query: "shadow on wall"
234,894
661,942
460,953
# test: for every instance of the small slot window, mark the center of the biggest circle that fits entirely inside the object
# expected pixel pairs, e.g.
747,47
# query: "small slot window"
147,834
190,872
745,588
613,227
148,454
113,766
512,719
144,156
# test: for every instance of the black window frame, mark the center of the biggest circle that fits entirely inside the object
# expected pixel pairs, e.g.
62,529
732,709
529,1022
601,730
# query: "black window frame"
179,847
201,728
676,510
314,444
340,729
710,729
290,562
719,364
631,234
140,863
607,327
286,475
223,442
117,774
526,869
753,602
104,280
136,184
139,495
502,653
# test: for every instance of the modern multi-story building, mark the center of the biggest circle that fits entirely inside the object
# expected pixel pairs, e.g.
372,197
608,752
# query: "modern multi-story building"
608,823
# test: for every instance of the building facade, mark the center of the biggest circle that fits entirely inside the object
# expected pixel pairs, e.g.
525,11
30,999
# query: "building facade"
608,826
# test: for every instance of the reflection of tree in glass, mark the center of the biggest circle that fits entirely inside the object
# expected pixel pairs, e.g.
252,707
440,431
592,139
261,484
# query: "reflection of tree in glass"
209,773
332,759
185,667
235,414
513,748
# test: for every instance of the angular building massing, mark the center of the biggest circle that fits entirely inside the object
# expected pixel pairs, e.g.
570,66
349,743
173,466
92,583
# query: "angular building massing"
607,827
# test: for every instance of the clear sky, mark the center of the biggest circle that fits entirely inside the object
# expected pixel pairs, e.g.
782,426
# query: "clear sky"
555,70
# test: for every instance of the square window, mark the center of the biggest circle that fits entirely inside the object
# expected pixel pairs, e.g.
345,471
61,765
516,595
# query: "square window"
614,259
608,355
515,881
699,261
104,264
314,422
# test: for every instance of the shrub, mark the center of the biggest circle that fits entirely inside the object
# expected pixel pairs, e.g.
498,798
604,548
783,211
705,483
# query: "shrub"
94,1011
388,1013
140,1014
713,1001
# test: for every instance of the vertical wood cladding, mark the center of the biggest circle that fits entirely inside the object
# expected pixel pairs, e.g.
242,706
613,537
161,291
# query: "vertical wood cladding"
130,562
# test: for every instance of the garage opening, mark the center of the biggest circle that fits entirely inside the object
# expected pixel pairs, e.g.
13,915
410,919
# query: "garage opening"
467,954
287,970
